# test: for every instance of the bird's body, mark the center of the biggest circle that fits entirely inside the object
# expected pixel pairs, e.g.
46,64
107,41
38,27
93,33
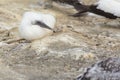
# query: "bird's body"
107,8
31,30
108,69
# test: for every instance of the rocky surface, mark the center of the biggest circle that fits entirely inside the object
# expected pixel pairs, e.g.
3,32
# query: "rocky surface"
104,70
78,43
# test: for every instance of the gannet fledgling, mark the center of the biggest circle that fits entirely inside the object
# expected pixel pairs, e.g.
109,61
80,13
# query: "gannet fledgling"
108,69
36,25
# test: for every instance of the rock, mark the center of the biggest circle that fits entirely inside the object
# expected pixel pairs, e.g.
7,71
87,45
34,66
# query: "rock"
8,74
104,70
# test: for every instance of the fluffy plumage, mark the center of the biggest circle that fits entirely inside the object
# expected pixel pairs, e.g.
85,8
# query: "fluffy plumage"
36,25
108,69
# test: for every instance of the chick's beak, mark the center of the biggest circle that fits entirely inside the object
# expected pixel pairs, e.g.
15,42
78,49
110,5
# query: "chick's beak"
43,25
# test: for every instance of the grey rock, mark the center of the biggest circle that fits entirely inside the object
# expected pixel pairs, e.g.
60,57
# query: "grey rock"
108,69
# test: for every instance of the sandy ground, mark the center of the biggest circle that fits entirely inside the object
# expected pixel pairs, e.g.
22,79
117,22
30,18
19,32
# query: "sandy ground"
63,55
